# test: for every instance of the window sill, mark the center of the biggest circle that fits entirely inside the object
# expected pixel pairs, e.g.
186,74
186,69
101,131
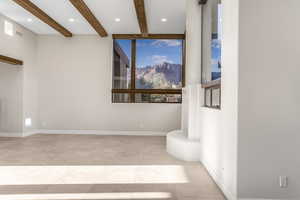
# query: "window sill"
212,107
146,103
212,84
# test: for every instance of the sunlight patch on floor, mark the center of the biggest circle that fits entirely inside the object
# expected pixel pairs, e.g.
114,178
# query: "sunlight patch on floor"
90,196
104,174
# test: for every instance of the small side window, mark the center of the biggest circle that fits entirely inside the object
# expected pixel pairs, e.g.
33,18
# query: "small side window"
211,53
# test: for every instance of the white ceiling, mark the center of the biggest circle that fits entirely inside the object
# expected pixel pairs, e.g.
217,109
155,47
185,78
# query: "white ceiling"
106,11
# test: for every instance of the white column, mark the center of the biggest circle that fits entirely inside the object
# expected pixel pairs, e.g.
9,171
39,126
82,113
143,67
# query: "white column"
185,144
193,42
191,100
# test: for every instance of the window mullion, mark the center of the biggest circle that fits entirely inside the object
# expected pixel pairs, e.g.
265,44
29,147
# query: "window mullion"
133,65
183,63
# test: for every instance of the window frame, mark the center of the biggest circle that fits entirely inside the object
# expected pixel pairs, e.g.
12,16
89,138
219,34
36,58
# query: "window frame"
133,90
208,86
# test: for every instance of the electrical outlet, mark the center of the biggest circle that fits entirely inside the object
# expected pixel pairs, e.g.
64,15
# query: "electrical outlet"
283,181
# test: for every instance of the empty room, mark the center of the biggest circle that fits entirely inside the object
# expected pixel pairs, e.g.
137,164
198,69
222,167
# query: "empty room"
149,100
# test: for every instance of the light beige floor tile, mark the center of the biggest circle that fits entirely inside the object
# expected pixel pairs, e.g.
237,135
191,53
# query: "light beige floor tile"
69,188
23,189
93,150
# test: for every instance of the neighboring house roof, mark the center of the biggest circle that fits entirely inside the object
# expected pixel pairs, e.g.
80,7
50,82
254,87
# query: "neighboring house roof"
121,53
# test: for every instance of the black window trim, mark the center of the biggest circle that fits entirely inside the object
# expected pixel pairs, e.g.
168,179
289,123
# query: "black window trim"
132,91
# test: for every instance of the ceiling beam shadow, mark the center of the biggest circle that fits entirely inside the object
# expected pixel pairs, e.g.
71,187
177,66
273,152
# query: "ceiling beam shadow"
141,16
36,11
89,16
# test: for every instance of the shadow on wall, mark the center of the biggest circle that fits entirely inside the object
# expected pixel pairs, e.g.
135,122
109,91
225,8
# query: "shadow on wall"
1,111
2,114
11,96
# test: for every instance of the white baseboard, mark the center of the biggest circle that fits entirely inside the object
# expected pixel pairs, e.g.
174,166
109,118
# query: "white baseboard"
18,134
259,199
268,199
103,132
83,132
29,133
229,195
11,134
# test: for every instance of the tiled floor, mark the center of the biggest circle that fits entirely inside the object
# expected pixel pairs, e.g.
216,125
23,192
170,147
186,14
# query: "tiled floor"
98,167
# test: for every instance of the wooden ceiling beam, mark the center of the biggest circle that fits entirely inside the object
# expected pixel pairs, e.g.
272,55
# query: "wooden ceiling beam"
141,16
9,60
36,11
89,16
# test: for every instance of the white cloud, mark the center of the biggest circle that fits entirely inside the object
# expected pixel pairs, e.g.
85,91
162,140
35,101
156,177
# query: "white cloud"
141,44
214,61
169,43
216,44
157,59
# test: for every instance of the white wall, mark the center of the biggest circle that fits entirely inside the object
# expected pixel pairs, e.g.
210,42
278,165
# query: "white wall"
193,43
10,100
269,139
75,86
193,69
22,47
254,138
75,80
218,128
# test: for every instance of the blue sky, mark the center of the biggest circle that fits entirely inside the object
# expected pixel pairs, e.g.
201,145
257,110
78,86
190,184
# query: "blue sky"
216,54
150,52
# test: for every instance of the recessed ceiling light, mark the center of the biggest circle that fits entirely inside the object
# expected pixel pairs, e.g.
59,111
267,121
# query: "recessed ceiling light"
29,20
117,19
164,19
71,20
